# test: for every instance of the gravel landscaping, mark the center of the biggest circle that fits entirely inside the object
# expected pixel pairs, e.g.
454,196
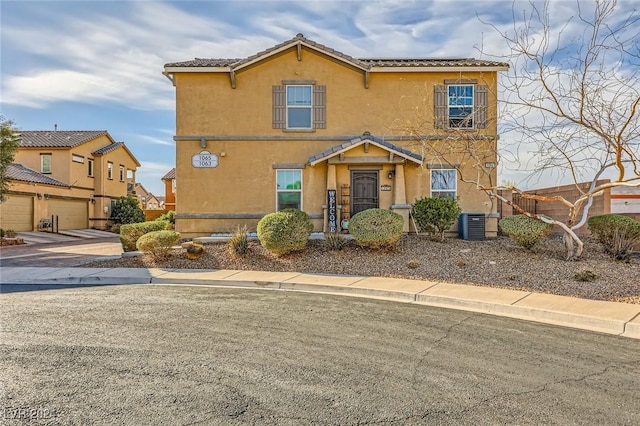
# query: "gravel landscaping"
495,263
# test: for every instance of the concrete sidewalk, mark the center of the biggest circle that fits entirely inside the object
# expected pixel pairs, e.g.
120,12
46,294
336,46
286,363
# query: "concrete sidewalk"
606,317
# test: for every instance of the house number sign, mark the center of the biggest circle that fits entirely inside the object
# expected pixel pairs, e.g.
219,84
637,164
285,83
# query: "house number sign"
333,215
204,160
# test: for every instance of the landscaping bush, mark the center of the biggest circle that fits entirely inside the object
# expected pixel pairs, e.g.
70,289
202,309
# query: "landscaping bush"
1,233
126,210
239,241
285,231
333,241
617,233
435,215
10,233
157,243
525,231
130,233
169,216
376,228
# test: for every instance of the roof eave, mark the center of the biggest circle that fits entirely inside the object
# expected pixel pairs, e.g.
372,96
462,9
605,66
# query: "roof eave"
459,68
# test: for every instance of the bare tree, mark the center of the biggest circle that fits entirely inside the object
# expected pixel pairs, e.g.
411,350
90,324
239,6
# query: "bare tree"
573,94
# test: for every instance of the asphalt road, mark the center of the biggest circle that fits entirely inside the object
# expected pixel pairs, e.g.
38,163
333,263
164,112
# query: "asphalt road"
178,355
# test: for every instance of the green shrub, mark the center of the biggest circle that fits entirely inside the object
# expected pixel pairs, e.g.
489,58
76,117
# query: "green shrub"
126,210
585,276
435,215
130,233
10,233
617,233
525,231
376,228
334,241
285,231
239,241
157,243
1,233
169,216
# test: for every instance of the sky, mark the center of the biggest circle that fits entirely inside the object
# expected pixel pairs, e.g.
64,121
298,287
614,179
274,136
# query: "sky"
97,65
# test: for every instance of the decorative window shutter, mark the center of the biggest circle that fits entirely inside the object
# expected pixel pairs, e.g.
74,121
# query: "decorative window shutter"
440,106
319,107
481,106
279,107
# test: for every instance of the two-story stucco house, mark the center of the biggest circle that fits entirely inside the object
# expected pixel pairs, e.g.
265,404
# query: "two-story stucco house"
70,176
300,125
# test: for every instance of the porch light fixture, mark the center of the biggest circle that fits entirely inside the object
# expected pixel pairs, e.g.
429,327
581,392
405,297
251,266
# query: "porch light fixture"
391,174
203,143
46,196
39,195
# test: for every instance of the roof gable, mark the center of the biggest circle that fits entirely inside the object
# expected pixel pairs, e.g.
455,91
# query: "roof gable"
112,147
171,174
360,140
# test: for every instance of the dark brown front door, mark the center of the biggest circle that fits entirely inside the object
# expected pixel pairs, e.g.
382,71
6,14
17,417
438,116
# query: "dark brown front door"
364,194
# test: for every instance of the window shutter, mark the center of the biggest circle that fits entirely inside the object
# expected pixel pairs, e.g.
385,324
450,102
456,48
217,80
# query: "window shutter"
279,107
319,107
481,106
440,106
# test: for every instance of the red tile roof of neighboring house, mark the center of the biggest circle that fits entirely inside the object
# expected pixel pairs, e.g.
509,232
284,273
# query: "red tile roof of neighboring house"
171,174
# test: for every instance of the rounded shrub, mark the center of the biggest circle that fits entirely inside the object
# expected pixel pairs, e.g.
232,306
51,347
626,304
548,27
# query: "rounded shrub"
525,231
127,210
617,233
285,231
376,228
130,233
435,215
157,243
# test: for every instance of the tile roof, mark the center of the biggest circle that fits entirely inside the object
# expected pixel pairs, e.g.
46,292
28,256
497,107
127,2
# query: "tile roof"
325,155
24,174
108,148
57,138
364,63
171,174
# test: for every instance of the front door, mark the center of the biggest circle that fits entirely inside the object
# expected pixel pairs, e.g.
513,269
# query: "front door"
364,194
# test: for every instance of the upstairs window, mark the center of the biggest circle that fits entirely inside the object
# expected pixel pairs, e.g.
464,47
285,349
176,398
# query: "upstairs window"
299,105
460,106
444,183
90,167
77,158
109,170
121,173
288,189
45,163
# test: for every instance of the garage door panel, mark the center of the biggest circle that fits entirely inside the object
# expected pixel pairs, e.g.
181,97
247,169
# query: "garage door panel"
72,214
17,213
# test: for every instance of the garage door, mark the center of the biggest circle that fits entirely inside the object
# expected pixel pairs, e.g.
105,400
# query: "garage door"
72,214
17,213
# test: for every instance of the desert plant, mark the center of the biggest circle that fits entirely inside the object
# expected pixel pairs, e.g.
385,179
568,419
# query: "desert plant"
126,210
376,228
435,215
239,241
130,233
169,216
10,233
1,233
585,276
525,231
617,233
194,251
413,263
334,241
285,231
157,243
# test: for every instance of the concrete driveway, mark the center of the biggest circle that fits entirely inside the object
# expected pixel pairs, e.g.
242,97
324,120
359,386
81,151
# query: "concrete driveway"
63,236
180,355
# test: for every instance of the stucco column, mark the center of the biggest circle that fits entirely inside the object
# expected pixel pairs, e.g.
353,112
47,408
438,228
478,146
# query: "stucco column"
400,205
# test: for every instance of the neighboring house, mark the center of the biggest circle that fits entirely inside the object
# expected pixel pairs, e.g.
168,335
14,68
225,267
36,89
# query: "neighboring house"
72,176
146,200
170,189
151,202
281,128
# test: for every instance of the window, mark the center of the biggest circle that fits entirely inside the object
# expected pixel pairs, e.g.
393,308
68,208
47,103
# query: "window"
121,173
299,105
444,183
90,167
45,163
77,158
109,170
460,106
289,189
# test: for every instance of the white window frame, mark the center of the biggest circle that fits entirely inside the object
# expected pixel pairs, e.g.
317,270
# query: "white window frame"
42,165
439,191
122,173
77,158
471,117
308,107
109,170
285,190
90,167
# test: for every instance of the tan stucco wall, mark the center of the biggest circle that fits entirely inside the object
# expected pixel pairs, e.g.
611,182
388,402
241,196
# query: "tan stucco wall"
242,187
